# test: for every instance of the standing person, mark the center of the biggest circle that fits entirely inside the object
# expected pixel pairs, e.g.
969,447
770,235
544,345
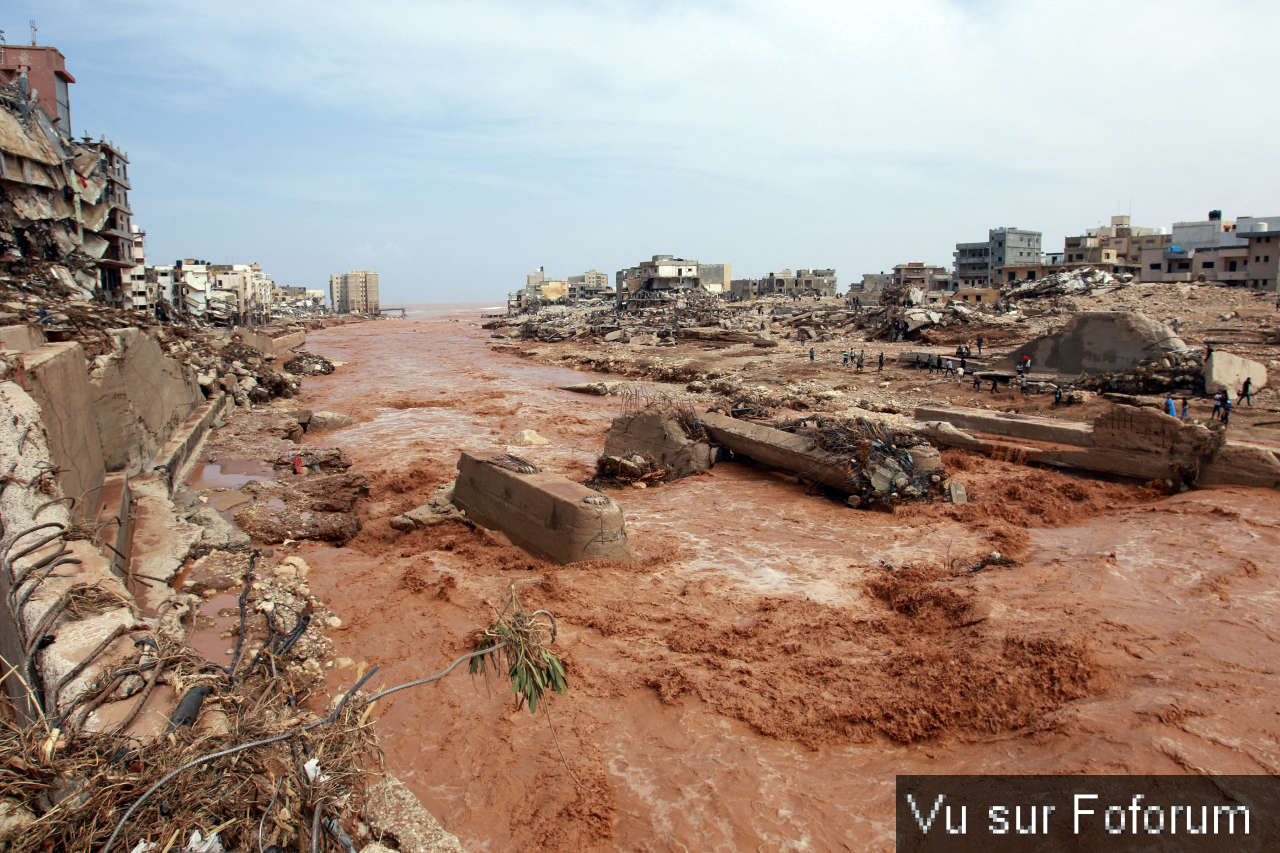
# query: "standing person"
1170,408
950,369
812,354
977,382
1023,377
1026,364
960,373
880,365
979,344
964,362
1246,391
845,357
1226,410
1057,396
929,360
995,383
860,356
1186,407
1217,405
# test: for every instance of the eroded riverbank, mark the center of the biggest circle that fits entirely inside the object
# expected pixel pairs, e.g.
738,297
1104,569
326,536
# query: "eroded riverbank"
758,677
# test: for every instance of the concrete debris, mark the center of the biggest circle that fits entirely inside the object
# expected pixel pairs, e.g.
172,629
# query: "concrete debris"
1102,341
439,510
1070,282
308,364
325,421
528,438
654,443
544,513
1224,371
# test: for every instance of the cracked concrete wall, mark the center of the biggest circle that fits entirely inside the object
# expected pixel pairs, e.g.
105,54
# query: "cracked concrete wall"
140,396
57,379
1100,342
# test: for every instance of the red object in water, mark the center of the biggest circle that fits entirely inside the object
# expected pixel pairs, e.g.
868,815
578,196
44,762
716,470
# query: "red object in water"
297,465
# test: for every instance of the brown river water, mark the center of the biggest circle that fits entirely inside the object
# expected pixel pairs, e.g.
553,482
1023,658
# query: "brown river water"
757,678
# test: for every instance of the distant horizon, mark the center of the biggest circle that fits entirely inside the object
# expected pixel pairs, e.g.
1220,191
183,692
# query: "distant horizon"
457,148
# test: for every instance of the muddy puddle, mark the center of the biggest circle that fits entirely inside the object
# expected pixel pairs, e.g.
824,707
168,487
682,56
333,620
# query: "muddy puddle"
772,659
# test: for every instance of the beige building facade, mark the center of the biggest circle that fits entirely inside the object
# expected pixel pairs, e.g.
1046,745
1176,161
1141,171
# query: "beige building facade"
355,292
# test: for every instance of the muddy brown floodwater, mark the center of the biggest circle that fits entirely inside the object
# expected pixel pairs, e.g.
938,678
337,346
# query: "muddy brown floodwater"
773,659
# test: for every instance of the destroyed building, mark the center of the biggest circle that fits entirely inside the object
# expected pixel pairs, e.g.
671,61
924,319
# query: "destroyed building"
801,283
660,277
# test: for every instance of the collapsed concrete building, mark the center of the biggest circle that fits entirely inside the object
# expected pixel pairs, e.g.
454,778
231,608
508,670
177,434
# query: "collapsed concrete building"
666,277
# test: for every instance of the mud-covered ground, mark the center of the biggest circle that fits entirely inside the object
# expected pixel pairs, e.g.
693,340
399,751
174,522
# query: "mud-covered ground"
773,658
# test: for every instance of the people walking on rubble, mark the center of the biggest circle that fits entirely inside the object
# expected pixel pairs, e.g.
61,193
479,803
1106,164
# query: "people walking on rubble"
845,358
1057,396
1186,408
1023,377
812,354
950,370
880,364
1246,391
979,344
995,384
929,364
977,382
860,355
960,373
1226,410
964,362
1170,408
1217,406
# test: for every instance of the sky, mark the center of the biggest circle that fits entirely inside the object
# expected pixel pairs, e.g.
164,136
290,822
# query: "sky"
455,147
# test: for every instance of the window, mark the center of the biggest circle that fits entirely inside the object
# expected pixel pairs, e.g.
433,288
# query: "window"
1153,266
1208,265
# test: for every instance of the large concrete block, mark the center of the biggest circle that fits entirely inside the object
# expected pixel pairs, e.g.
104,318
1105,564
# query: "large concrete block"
778,449
20,338
271,341
656,432
1006,423
546,514
1226,371
1100,342
57,378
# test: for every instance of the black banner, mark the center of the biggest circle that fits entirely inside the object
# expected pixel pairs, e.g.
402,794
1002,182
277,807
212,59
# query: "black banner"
1101,814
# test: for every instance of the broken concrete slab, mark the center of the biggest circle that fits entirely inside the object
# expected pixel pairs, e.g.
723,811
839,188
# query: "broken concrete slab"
1101,342
438,510
656,432
1031,427
778,449
1227,371
323,421
544,513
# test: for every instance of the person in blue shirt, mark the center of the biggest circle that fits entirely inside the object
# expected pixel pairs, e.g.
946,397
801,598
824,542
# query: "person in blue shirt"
1170,408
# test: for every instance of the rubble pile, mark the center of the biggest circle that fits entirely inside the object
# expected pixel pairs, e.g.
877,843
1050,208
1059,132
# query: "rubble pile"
1184,377
217,362
308,364
886,466
1084,282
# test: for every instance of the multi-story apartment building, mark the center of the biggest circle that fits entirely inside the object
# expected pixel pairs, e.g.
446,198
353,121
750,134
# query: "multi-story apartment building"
975,263
117,229
1215,249
355,292
141,294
